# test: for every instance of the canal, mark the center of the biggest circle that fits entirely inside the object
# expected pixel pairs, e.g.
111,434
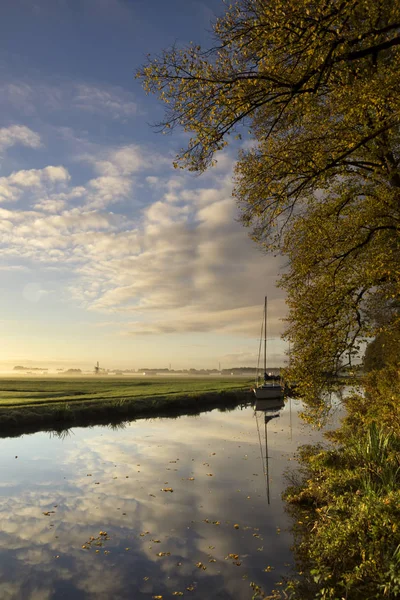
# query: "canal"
157,508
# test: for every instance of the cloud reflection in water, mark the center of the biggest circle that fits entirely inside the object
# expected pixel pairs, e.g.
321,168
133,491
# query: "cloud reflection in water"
101,479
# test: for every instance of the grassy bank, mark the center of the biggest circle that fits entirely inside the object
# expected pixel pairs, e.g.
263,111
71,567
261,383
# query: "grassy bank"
346,507
32,404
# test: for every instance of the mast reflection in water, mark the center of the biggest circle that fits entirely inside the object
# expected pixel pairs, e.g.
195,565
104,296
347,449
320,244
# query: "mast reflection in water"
270,409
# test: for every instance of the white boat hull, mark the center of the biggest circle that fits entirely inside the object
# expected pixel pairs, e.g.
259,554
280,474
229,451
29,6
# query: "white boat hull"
269,397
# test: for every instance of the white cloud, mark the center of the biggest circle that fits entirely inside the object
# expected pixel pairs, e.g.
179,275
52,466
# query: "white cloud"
51,206
114,101
118,170
108,190
18,134
182,265
33,292
189,269
18,95
35,177
31,97
125,161
13,268
56,202
36,181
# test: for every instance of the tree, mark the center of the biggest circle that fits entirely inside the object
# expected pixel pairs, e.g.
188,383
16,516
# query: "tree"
384,350
316,84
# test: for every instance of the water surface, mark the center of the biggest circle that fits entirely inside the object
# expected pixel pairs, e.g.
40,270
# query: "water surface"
209,537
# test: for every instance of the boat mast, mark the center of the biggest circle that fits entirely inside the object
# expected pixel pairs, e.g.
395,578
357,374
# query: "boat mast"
265,338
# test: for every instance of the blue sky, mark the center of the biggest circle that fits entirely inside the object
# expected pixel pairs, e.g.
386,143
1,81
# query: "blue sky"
107,252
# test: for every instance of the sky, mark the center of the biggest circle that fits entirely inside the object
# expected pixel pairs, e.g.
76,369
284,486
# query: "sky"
106,252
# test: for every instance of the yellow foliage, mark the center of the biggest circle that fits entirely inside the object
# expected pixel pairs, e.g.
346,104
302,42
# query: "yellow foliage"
317,87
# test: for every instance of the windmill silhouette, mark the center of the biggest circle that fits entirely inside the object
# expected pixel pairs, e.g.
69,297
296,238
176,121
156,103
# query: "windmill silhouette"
97,369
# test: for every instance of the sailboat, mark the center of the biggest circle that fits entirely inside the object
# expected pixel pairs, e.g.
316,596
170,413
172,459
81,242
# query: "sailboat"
270,412
269,394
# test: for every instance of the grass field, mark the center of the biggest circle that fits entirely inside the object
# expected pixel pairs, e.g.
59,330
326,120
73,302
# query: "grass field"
50,401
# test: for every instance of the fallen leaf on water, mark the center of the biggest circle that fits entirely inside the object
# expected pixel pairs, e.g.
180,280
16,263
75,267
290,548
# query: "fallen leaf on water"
167,490
157,597
209,474
190,588
200,565
177,593
216,523
163,553
236,526
233,556
268,569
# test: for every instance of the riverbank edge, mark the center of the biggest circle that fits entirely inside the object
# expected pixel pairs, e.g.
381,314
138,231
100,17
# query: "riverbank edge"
344,502
16,421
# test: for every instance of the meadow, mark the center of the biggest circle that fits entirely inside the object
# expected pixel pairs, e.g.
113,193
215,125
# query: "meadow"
38,402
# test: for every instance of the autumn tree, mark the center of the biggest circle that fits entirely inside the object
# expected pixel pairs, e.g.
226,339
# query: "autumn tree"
316,86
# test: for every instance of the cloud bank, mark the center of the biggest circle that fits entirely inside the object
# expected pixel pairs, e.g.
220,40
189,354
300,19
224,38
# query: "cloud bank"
179,263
